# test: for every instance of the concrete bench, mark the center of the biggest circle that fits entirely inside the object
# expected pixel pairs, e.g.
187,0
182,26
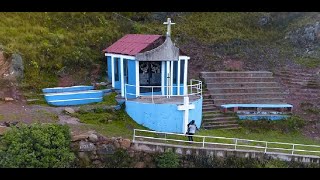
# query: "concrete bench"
258,107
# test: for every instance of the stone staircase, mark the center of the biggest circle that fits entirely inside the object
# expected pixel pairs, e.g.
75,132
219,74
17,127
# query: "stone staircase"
213,118
225,87
243,87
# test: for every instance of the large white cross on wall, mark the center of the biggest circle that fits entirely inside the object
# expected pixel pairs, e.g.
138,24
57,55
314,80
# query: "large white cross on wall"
185,107
169,26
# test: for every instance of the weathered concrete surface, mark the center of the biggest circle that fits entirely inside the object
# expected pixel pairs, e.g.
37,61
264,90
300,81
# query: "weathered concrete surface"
165,52
220,152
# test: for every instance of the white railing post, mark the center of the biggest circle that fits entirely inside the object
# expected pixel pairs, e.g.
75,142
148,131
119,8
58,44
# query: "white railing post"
292,149
152,94
145,138
203,140
134,135
235,146
201,88
265,150
190,86
125,91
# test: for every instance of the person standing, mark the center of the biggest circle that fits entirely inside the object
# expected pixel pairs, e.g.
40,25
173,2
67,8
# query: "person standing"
192,127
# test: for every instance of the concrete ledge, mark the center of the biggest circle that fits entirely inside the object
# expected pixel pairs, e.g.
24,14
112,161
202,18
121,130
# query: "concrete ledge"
220,152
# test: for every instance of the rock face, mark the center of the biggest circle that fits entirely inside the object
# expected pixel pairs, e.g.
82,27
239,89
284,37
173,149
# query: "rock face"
93,138
17,67
65,119
140,165
69,110
92,148
305,36
125,143
7,99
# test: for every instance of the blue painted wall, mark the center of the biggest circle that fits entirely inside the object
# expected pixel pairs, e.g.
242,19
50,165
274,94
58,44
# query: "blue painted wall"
109,67
175,92
117,84
131,78
131,73
67,89
163,117
255,118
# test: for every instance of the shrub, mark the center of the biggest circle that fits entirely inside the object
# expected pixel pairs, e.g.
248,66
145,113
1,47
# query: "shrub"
295,123
291,124
167,160
120,159
40,146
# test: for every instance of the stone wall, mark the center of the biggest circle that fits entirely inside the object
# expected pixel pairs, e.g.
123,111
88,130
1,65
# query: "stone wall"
183,150
91,150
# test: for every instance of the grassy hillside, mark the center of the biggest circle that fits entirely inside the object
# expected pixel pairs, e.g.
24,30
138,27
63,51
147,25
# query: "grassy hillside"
49,42
52,43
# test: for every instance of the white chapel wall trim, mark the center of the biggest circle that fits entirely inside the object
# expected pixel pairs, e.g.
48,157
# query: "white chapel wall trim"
185,78
137,80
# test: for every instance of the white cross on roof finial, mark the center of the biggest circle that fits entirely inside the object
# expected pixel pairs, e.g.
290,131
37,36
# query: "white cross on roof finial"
169,26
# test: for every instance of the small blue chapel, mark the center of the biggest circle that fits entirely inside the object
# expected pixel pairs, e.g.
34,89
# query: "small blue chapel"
152,75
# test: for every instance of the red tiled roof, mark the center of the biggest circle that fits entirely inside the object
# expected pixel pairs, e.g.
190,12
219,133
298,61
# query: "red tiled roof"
132,44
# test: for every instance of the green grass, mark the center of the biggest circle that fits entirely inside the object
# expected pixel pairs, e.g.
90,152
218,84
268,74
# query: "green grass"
50,42
294,137
310,62
109,100
119,124
225,26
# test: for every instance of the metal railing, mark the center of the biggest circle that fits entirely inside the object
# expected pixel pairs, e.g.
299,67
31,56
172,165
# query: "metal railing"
197,85
226,143
195,88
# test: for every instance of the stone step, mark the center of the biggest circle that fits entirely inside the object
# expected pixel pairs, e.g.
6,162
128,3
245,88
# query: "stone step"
286,78
208,103
218,122
293,73
207,100
314,99
217,117
208,106
305,94
207,110
212,112
245,90
236,74
221,126
299,86
238,79
302,90
249,100
213,116
304,85
314,80
242,85
247,95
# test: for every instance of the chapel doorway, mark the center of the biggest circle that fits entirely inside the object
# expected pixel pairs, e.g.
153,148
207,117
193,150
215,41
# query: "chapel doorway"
150,75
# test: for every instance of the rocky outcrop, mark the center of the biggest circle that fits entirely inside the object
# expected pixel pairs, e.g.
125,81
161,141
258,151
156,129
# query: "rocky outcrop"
91,148
95,150
305,36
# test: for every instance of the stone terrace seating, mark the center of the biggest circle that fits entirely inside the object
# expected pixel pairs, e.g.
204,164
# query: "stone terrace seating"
251,94
258,107
259,111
